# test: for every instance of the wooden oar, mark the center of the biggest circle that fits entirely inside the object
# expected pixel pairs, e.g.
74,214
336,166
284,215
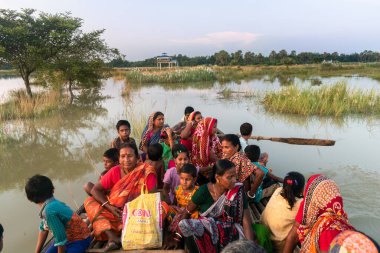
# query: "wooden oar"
297,141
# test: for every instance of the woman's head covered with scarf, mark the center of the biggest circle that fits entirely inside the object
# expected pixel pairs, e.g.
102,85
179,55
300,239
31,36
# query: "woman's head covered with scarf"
320,210
155,120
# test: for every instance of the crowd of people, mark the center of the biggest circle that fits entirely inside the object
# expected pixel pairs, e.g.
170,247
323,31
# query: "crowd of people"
208,181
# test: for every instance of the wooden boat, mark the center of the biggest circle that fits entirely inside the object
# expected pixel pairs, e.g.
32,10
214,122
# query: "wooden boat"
255,210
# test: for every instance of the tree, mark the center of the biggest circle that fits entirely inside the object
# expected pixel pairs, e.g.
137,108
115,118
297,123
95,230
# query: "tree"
222,58
82,64
32,43
249,58
237,58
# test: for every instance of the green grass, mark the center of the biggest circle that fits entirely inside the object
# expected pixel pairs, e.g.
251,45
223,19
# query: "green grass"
180,75
336,100
284,74
20,106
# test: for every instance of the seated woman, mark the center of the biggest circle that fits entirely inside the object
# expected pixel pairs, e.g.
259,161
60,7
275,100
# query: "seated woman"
152,131
253,153
282,208
224,216
124,182
187,133
244,167
320,217
206,149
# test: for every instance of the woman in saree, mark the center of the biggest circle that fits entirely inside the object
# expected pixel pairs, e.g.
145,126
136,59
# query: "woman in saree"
244,167
224,216
153,130
187,133
206,149
124,182
320,217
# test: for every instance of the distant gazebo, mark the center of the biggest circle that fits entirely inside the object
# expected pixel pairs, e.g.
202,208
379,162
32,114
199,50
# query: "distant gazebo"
165,59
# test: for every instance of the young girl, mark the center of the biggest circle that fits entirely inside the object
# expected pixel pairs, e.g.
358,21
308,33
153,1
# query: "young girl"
281,210
183,194
70,233
187,187
171,178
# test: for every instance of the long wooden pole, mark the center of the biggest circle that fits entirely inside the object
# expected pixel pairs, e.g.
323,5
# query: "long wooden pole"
297,141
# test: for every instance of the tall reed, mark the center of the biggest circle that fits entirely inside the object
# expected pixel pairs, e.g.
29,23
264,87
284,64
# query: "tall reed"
335,100
20,106
198,74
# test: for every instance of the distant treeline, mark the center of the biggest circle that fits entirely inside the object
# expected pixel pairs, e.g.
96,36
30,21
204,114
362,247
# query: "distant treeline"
223,58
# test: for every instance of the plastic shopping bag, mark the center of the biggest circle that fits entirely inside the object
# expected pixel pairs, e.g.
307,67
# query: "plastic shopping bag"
142,223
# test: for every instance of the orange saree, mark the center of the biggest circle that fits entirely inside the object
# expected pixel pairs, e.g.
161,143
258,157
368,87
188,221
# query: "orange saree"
126,189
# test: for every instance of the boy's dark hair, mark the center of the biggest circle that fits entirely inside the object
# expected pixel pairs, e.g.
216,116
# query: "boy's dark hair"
189,169
39,188
220,167
252,152
246,129
122,123
294,183
155,152
113,154
132,146
233,139
188,110
179,148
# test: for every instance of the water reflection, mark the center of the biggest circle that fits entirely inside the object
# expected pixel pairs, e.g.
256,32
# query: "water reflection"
53,146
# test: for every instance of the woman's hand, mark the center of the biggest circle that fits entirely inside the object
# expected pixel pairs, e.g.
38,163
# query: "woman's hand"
170,243
114,210
169,131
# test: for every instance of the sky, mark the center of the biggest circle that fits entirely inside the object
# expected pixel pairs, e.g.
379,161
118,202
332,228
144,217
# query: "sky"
143,29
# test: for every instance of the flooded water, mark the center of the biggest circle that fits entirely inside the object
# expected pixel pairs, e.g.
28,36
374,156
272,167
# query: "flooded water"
68,146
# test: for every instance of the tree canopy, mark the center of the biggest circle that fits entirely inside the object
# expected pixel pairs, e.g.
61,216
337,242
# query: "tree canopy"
54,42
223,58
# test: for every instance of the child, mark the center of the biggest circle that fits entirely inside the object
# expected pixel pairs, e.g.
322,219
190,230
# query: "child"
124,130
253,153
281,210
171,178
183,194
167,142
187,187
154,158
246,132
70,233
110,159
178,128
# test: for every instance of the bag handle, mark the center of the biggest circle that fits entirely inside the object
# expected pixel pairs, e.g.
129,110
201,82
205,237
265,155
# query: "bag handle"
144,189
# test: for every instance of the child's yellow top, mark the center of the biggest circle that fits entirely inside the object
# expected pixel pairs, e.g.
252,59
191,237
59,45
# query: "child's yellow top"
183,198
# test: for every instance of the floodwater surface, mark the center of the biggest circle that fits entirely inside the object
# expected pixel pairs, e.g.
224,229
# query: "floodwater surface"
68,146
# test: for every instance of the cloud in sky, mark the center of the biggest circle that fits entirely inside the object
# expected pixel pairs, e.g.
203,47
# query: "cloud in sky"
220,39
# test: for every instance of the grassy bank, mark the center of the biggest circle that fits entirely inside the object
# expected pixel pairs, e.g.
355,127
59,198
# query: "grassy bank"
20,106
233,73
335,100
179,75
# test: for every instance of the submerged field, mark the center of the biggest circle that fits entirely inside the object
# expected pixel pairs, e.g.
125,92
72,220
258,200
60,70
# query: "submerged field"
335,100
67,145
